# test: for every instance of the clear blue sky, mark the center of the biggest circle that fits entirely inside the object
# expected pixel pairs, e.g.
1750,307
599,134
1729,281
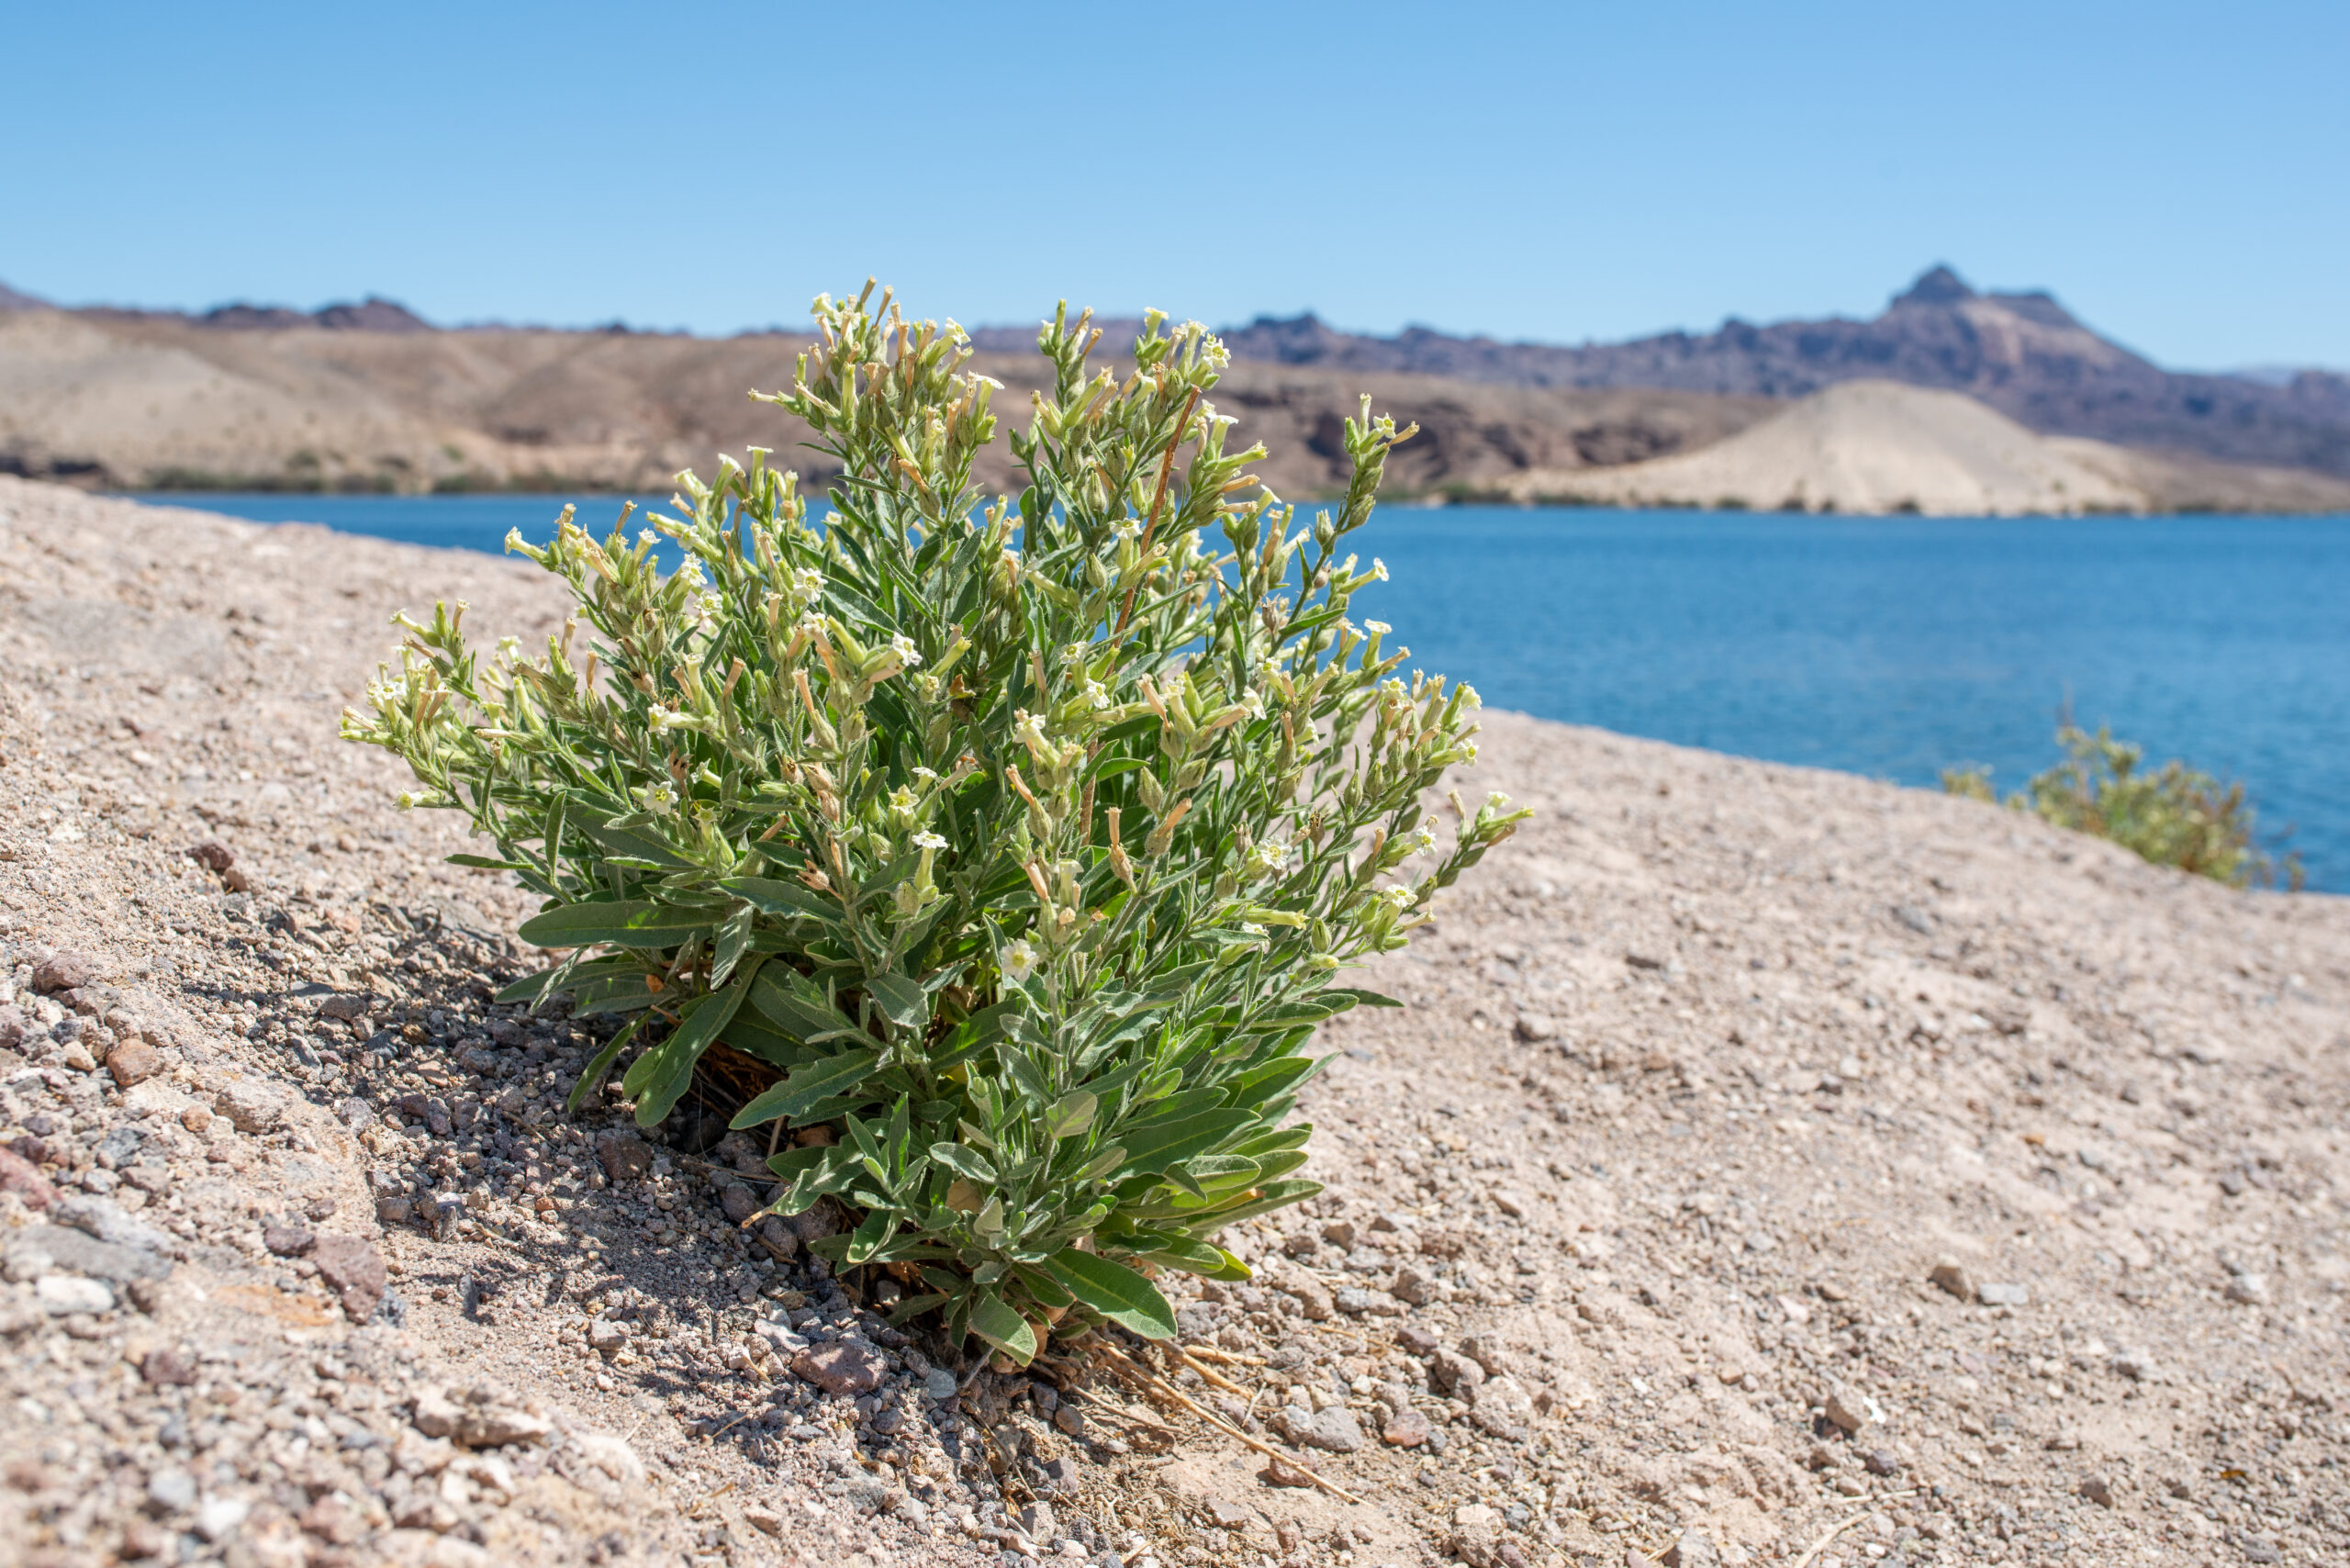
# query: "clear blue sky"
2179,176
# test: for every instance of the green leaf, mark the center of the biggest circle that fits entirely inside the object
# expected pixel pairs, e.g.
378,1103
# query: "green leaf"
1271,1196
1070,1115
483,863
734,938
593,1073
902,1001
1363,998
1151,1150
795,1004
789,1163
624,922
872,1236
773,897
1114,1291
965,1160
632,843
530,988
808,1084
660,1076
993,1321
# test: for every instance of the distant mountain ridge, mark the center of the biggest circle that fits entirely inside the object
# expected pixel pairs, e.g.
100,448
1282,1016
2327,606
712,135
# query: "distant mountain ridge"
2022,353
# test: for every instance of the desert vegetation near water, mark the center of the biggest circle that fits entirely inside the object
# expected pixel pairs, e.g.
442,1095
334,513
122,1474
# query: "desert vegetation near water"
1766,1165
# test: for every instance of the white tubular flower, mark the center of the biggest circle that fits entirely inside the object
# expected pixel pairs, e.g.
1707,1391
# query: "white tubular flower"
929,841
1469,700
1402,897
902,802
1468,753
1496,801
1096,695
1377,628
1130,529
1379,568
661,800
645,536
1251,928
1255,702
903,647
924,774
1028,728
1019,961
807,582
408,800
927,687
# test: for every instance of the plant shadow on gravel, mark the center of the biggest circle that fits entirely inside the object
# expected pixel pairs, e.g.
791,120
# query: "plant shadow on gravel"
627,1245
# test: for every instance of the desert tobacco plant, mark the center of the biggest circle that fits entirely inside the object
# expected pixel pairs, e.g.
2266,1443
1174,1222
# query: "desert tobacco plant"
1018,842
2172,815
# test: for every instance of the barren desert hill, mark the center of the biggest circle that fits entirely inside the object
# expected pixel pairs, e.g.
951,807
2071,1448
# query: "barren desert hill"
1875,447
2022,353
370,396
121,400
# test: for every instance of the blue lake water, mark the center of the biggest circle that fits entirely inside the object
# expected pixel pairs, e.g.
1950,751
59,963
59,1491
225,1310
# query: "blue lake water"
1887,646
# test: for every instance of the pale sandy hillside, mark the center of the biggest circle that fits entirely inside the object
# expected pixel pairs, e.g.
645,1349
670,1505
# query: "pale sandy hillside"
1880,446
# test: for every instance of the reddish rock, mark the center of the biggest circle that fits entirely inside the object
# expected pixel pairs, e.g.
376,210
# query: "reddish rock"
165,1365
134,1062
848,1367
351,1265
1406,1428
212,855
624,1158
19,1177
66,971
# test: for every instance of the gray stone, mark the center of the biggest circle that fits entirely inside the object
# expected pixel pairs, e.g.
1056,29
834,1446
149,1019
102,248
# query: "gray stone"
2135,1365
39,1248
60,1295
938,1384
2248,1290
1449,1372
1362,1303
739,1202
343,1006
1501,1408
250,1105
1536,1026
1692,1549
2097,1490
1952,1276
1415,1288
1998,1295
624,1156
1846,1409
480,1417
606,1335
170,1490
219,1516
1335,1429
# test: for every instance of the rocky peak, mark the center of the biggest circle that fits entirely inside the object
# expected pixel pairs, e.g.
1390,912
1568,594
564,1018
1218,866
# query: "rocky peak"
1936,286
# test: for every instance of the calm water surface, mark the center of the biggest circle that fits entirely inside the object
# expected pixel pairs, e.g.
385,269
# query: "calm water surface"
1888,646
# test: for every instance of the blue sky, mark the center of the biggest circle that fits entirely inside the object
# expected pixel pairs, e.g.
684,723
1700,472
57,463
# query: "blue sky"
2179,176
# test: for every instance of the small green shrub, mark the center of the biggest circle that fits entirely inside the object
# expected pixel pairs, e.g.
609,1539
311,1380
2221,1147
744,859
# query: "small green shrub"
2172,815
1019,842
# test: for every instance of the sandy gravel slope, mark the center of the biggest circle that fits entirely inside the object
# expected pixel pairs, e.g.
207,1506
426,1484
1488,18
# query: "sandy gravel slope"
1637,1204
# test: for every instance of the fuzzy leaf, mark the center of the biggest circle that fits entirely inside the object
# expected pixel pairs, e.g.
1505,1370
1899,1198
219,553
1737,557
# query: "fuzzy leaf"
993,1321
807,1085
1114,1291
624,922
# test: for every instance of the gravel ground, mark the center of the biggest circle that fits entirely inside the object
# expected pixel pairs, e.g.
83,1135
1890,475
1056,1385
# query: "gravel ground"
1762,1158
